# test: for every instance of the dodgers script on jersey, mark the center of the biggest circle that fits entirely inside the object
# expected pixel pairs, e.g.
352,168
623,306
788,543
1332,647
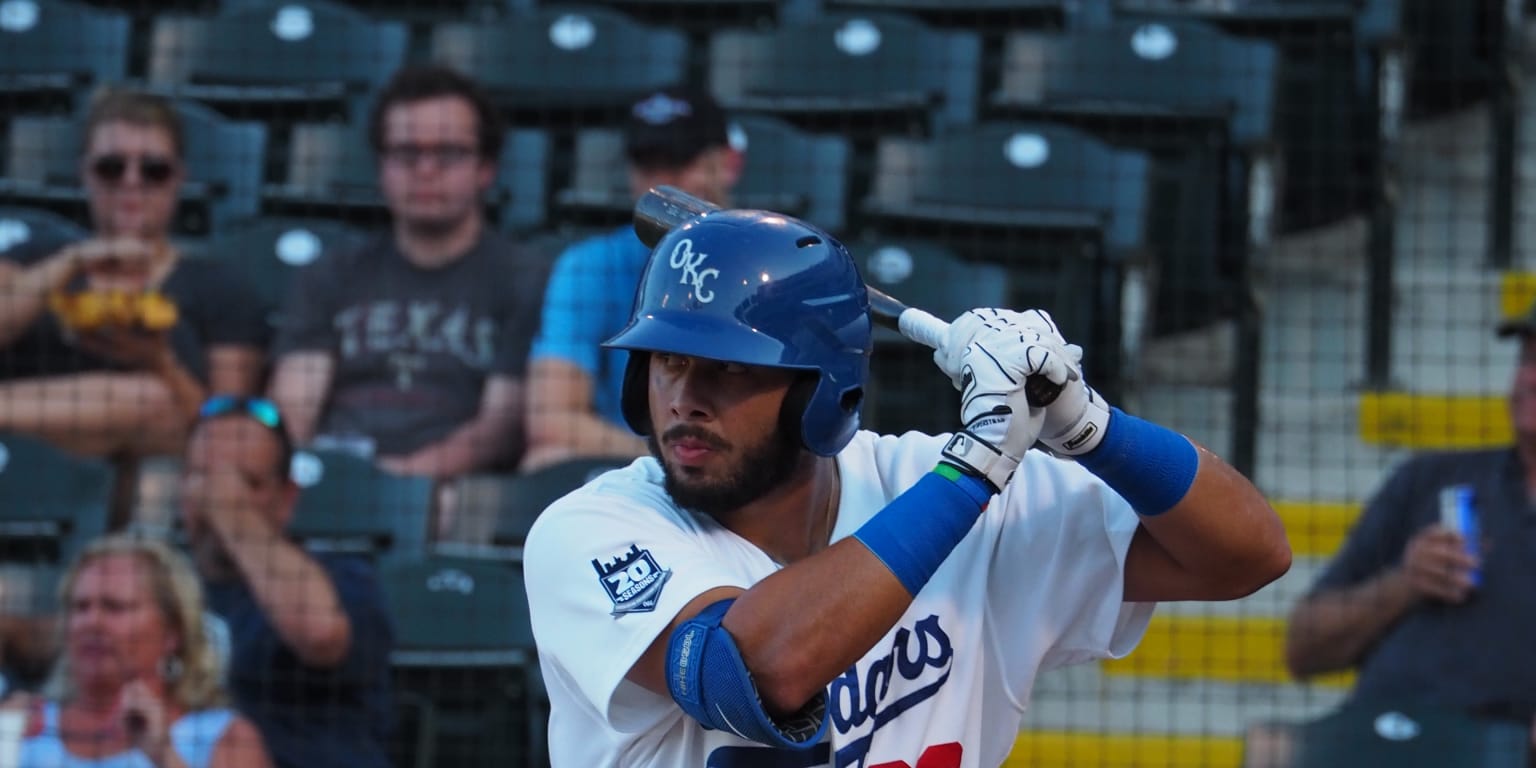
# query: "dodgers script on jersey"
1037,584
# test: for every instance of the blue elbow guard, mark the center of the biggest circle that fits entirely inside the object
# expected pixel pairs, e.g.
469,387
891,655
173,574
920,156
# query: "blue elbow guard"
707,678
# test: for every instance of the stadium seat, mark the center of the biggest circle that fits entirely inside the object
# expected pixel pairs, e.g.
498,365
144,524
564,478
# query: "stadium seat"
563,58
57,50
699,18
835,68
1204,104
223,165
928,276
348,504
1014,175
466,679
279,60
42,228
791,171
490,514
1399,734
1326,116
51,503
268,251
330,170
984,15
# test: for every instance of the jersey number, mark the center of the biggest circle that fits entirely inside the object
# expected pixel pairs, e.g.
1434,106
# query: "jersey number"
936,756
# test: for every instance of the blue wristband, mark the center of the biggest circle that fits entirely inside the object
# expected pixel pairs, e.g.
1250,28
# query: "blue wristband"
1151,467
918,529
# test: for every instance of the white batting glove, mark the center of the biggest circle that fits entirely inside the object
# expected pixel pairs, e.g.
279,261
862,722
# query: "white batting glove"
1075,421
999,424
975,325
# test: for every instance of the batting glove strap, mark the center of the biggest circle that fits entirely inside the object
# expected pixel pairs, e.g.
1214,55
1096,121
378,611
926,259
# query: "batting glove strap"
1076,422
979,458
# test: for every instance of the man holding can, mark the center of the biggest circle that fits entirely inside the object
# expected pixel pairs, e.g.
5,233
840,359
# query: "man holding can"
1431,599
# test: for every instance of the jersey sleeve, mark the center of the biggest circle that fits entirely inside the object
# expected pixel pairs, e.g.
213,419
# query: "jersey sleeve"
606,574
1058,578
568,329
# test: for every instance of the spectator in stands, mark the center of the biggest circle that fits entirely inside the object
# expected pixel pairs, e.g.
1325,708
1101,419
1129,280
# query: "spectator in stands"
1421,611
124,387
136,683
310,635
411,349
676,137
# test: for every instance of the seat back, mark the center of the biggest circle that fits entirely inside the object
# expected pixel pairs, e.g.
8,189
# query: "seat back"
1148,68
835,63
51,503
904,391
1017,175
465,673
795,172
269,251
36,227
1402,735
489,515
306,52
564,56
346,503
61,47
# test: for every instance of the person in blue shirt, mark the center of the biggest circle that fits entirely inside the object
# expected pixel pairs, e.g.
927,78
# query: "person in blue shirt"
677,137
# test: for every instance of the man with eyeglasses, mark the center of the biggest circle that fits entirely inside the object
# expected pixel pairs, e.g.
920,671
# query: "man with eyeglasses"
411,349
309,633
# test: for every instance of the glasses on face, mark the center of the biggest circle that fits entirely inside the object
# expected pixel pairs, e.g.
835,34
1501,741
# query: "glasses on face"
259,408
153,169
441,155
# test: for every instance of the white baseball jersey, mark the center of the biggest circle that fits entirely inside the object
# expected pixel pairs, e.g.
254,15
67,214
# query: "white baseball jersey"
1036,584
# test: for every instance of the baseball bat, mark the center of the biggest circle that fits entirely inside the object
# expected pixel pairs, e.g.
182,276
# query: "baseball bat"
664,208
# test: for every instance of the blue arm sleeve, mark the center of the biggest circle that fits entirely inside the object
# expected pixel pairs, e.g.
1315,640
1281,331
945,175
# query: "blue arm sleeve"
708,679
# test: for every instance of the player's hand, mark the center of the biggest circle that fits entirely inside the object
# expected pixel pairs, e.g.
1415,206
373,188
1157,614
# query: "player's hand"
999,424
1075,421
1438,565
987,323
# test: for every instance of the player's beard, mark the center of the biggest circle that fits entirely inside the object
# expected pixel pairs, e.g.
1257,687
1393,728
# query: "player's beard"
760,468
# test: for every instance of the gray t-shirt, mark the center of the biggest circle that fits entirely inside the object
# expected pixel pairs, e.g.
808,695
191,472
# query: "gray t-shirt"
413,347
1474,656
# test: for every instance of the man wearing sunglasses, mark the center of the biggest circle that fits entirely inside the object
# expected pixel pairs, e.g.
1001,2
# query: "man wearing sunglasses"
411,349
309,633
124,387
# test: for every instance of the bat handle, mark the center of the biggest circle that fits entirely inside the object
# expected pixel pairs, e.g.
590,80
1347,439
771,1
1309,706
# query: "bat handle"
929,331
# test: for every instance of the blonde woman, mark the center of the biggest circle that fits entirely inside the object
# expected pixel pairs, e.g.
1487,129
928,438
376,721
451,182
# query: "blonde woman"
137,684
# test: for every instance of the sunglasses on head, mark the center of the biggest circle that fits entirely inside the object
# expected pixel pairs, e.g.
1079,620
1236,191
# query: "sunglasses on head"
153,170
259,408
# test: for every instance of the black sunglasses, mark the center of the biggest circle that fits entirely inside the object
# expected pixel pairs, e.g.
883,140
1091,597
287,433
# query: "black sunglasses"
153,169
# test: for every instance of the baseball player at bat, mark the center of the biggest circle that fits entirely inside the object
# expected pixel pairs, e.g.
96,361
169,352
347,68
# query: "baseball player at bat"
773,586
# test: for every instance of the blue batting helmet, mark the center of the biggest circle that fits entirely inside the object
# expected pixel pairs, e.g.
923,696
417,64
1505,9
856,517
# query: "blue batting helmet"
756,288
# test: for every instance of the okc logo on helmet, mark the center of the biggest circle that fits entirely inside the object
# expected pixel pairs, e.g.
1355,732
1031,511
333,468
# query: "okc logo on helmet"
683,258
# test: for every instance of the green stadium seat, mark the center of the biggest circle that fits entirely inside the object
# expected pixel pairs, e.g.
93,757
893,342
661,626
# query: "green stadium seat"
466,677
51,503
